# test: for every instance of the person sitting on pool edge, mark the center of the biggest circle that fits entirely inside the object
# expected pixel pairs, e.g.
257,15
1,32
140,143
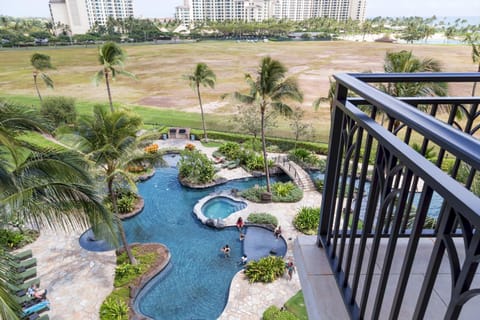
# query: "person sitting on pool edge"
277,232
226,250
240,224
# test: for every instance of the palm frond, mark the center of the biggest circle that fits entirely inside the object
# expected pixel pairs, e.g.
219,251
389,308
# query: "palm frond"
47,80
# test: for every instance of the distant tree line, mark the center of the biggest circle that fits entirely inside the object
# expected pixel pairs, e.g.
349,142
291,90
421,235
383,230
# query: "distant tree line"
36,31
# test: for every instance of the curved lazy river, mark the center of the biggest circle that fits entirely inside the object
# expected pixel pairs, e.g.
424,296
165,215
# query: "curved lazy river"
196,283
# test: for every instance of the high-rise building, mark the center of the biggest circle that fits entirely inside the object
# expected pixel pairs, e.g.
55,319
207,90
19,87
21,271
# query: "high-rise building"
258,10
81,15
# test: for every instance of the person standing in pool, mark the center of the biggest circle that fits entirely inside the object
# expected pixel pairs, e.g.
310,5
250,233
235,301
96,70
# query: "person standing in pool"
226,250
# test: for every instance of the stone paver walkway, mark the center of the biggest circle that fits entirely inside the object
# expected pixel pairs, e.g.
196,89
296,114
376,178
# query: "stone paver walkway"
78,280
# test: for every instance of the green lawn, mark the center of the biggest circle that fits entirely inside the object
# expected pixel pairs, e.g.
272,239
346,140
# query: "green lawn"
296,305
161,94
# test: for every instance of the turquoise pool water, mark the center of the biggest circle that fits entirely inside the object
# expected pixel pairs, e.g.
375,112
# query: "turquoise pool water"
221,207
433,209
197,282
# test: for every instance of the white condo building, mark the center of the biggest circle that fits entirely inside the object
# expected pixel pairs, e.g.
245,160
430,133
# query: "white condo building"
81,15
258,10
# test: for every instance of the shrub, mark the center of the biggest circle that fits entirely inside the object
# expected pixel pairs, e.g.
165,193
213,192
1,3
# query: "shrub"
254,144
273,313
286,192
11,239
307,219
125,272
283,189
153,148
266,269
190,146
279,192
319,183
126,200
263,218
231,150
254,193
255,162
59,110
114,309
282,143
126,204
300,155
195,167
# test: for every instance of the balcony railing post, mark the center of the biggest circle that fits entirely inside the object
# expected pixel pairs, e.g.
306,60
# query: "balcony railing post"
333,163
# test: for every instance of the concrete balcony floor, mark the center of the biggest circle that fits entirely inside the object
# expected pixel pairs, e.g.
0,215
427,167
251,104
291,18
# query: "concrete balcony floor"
323,299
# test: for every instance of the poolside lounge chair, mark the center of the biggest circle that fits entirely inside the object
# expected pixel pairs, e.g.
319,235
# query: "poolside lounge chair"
24,300
22,265
23,276
36,308
36,316
233,164
21,289
19,256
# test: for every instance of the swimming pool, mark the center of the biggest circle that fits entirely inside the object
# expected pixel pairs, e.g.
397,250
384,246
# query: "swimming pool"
221,207
433,210
199,277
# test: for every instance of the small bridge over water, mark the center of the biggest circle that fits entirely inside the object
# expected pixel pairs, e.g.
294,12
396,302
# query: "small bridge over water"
299,176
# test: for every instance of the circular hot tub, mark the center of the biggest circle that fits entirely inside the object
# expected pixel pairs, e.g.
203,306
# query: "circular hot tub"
221,207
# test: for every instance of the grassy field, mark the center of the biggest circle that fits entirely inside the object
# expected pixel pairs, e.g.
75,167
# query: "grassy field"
162,95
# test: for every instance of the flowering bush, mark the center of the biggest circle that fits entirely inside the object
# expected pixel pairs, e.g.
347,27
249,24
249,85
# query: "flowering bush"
153,148
190,147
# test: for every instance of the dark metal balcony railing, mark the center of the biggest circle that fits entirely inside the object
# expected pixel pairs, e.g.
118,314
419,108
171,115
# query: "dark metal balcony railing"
401,167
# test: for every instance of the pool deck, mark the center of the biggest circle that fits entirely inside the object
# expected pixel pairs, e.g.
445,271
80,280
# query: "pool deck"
78,280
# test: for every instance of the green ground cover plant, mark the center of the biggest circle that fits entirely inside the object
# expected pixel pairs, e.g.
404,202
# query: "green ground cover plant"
263,218
281,192
267,269
115,306
296,305
274,313
195,167
307,219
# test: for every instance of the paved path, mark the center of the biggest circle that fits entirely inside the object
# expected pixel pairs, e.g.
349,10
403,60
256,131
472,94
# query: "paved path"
78,280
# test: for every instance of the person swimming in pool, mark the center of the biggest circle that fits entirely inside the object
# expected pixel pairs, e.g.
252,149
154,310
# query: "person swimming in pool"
226,250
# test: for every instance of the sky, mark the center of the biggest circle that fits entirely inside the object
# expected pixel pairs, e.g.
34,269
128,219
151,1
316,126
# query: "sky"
166,8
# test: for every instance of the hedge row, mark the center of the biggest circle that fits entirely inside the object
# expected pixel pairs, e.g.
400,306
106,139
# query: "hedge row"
282,143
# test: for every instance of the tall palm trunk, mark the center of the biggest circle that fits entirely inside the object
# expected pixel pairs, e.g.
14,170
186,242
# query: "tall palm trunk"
35,73
475,83
264,147
107,82
123,236
201,110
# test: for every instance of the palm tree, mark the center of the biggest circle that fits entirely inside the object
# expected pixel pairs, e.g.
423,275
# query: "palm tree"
475,57
112,58
41,62
405,61
110,141
44,186
202,75
270,89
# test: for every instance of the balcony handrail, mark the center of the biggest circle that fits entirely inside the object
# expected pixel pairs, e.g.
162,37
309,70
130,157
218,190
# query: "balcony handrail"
426,100
463,146
360,227
418,77
447,187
